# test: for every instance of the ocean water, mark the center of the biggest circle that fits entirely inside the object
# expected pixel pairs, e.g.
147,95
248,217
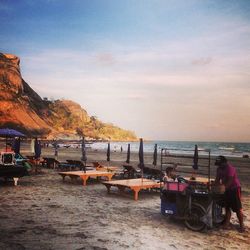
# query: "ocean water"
216,148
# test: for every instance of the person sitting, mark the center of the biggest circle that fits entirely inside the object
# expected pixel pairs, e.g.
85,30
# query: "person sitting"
170,175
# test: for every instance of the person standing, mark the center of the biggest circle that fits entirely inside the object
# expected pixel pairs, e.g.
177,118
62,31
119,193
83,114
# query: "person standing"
226,175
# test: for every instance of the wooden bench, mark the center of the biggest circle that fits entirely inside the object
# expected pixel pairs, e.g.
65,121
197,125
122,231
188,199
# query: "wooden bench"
134,184
85,176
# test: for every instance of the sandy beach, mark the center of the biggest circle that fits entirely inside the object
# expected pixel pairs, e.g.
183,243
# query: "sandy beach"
43,212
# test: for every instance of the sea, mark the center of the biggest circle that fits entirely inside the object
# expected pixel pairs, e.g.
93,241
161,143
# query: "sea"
232,149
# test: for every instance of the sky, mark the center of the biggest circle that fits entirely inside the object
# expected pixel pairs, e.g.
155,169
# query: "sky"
165,69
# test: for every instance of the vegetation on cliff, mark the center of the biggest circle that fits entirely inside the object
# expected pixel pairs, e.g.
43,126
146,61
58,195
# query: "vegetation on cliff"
21,107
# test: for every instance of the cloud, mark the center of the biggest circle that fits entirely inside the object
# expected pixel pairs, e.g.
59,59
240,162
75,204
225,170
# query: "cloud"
202,61
136,97
202,82
105,59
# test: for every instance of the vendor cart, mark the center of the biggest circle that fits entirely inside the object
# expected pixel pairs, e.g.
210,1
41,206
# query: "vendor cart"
189,197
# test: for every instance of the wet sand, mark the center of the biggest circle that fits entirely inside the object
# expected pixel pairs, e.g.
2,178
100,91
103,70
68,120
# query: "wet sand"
43,212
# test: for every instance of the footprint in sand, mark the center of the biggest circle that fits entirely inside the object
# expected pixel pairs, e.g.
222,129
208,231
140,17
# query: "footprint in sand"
103,240
99,248
172,245
81,235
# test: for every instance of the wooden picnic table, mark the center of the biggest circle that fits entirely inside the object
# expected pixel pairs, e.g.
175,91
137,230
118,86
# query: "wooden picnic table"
85,176
134,184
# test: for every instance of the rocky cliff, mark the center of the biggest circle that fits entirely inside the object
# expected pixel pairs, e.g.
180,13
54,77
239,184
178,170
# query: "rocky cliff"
22,108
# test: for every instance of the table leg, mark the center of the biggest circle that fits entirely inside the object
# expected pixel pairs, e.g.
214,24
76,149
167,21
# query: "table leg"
84,178
63,176
108,188
15,181
110,177
136,191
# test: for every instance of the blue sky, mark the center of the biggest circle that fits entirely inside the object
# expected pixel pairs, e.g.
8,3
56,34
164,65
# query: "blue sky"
174,70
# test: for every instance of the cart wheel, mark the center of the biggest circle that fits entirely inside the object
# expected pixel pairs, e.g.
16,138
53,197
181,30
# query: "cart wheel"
192,220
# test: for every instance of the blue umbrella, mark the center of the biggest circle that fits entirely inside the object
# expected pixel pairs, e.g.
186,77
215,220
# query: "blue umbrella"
196,158
7,132
128,154
155,156
38,149
108,153
10,133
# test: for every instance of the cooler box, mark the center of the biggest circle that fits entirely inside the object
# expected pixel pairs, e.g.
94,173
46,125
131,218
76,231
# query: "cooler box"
168,208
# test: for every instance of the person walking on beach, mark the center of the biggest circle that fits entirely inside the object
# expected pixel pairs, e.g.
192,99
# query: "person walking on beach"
226,175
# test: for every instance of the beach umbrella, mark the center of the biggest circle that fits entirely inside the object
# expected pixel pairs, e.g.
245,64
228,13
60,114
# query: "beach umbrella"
128,154
32,146
37,149
196,157
7,132
84,157
10,133
16,145
56,149
155,156
108,153
141,157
